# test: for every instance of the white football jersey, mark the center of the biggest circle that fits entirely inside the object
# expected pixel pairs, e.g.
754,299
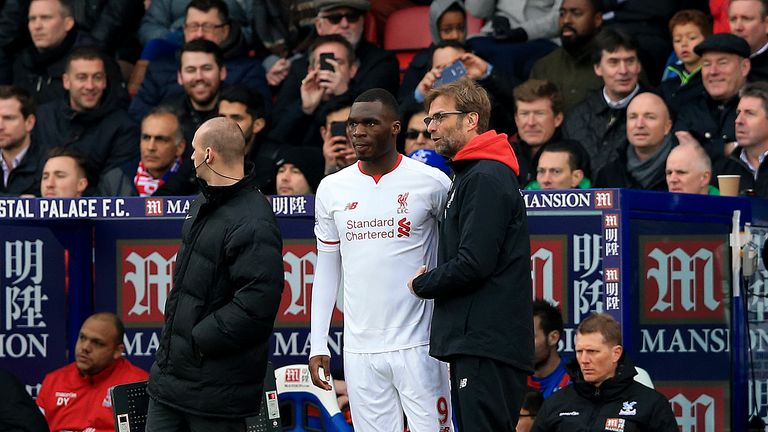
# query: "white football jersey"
385,228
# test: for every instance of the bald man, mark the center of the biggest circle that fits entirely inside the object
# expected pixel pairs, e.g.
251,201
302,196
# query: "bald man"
689,170
210,364
641,165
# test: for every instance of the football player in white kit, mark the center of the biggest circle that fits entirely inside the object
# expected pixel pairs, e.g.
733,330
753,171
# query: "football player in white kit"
376,224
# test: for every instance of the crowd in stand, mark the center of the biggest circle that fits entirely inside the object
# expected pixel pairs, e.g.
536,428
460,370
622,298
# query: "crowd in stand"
102,97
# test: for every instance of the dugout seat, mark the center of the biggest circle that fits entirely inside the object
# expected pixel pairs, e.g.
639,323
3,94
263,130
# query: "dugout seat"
305,407
131,401
407,31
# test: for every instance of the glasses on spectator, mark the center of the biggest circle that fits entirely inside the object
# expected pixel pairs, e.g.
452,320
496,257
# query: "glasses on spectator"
207,27
414,134
352,17
439,116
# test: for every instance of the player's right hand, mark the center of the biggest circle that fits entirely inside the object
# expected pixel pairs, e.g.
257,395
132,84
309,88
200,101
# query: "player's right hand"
317,362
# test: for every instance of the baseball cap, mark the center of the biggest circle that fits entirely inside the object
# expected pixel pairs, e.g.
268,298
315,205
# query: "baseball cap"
725,43
325,5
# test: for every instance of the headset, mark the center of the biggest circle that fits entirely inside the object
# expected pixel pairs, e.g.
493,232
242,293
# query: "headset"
205,161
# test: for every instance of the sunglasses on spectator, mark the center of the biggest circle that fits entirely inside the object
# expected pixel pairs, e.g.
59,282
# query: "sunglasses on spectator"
414,134
351,17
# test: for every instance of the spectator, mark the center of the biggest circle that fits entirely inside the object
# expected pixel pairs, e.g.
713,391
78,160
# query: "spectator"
201,74
689,170
549,373
18,411
90,120
416,134
500,89
99,365
570,66
641,165
749,20
111,23
299,171
604,392
21,157
161,169
688,29
710,117
376,67
532,402
299,123
517,33
39,67
538,116
749,160
246,108
599,122
64,174
337,149
165,18
646,21
209,20
561,165
447,22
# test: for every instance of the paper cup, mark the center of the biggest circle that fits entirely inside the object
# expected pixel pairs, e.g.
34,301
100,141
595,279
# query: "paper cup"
728,185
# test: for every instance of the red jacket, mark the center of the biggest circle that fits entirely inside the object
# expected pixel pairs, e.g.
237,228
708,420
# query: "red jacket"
71,401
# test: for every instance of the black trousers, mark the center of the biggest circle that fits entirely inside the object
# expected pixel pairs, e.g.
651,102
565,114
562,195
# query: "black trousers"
163,418
486,394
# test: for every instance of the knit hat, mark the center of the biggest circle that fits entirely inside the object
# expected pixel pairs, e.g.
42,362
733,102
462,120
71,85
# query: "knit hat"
309,160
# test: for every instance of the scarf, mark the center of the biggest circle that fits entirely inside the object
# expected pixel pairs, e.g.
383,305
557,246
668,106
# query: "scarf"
651,170
147,185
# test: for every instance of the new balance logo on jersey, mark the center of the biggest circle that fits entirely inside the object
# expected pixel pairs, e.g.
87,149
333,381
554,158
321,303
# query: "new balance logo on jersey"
403,228
351,206
402,201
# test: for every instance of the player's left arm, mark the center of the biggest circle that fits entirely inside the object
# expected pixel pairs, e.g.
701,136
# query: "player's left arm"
485,214
254,260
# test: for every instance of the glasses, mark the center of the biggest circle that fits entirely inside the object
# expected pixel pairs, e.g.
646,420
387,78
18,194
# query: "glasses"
439,116
414,134
207,27
352,17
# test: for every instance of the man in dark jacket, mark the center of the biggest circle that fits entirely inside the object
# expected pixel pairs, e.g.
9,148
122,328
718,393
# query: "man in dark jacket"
377,67
641,165
89,120
40,66
210,365
604,394
21,158
710,116
749,158
209,20
599,122
749,20
201,74
162,170
570,67
482,323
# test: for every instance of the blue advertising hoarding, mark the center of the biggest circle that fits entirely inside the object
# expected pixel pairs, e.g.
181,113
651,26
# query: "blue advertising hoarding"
657,262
